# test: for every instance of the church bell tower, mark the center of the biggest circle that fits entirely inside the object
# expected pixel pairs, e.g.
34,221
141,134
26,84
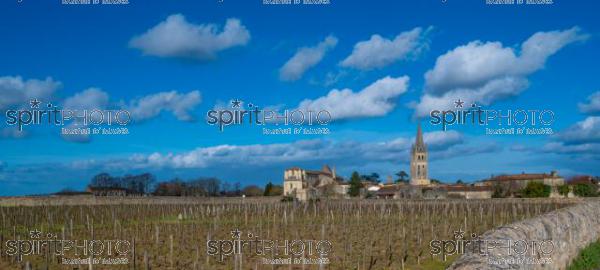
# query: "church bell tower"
418,161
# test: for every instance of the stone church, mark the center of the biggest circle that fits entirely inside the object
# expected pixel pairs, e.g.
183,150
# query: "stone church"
307,184
418,161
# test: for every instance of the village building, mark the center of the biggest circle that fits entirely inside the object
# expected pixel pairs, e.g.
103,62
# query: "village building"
370,185
388,192
305,185
522,179
374,188
468,191
435,192
341,189
515,182
583,179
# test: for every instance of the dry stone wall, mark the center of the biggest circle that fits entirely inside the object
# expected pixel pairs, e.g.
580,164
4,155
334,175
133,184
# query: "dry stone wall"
570,230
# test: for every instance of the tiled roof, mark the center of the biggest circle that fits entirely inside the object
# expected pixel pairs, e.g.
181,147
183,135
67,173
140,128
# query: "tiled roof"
523,176
388,189
466,188
318,172
582,179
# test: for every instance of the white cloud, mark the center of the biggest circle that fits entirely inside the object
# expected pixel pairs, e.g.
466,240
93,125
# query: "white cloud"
469,66
376,99
593,104
180,104
580,141
485,72
378,51
176,37
256,159
586,131
332,78
91,98
345,152
494,90
140,109
152,105
541,45
16,92
440,139
305,58
562,148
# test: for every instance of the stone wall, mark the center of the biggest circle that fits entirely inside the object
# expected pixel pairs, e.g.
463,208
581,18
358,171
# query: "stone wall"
570,230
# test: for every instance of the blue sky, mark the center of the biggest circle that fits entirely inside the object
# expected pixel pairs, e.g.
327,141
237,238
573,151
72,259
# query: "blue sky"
172,61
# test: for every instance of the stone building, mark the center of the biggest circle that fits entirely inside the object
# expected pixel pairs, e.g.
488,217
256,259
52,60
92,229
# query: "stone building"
418,161
435,192
552,179
390,191
583,179
306,184
468,191
513,183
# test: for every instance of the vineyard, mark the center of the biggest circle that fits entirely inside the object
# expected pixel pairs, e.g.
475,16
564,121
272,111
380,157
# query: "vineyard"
173,234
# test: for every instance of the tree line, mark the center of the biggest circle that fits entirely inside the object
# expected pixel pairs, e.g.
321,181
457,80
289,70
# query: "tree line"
146,184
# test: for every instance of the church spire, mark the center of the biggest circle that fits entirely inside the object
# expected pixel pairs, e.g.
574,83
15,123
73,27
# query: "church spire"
419,144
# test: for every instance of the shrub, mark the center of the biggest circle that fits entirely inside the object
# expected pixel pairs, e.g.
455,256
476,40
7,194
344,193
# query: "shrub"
252,191
273,190
499,191
355,185
564,190
536,190
585,190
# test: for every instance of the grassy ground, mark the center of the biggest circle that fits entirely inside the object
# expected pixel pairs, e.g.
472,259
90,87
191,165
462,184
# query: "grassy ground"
588,259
